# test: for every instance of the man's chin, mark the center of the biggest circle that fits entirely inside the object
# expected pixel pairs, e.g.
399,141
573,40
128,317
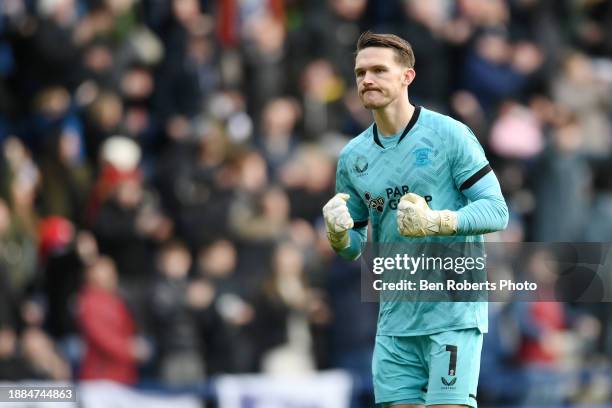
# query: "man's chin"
373,105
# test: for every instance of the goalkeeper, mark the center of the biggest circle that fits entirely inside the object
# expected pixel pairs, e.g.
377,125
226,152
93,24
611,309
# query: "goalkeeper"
416,176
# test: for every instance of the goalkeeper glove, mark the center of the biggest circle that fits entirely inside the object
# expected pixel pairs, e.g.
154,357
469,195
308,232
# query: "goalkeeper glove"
338,221
416,219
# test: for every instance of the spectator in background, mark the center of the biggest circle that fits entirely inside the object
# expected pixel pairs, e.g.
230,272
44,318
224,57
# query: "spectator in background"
490,74
23,182
47,63
427,26
66,177
561,172
264,57
204,186
129,218
137,85
277,140
308,179
177,306
259,217
216,263
191,83
113,349
501,380
264,219
61,274
17,254
351,334
516,133
103,119
229,348
172,164
246,213
184,76
39,351
601,208
592,30
578,89
549,350
12,367
484,14
8,312
285,309
322,90
19,229
30,357
65,252
335,28
54,112
97,64
128,222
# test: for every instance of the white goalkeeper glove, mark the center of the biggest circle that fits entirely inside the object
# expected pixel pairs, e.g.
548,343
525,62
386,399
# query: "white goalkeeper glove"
416,219
338,221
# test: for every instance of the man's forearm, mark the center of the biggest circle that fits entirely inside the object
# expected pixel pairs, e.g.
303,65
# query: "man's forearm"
487,212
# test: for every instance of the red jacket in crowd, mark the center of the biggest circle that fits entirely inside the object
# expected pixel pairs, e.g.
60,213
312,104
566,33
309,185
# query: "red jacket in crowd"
108,331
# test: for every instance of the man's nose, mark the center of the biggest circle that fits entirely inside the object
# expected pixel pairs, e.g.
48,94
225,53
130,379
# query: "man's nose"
367,79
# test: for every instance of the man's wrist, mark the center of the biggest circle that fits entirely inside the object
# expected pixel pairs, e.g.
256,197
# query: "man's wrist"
339,240
449,222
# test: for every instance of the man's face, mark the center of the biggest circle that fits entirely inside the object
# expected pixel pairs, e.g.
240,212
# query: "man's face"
380,78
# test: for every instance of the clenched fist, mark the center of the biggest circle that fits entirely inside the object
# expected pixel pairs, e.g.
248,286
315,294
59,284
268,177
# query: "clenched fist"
416,219
338,221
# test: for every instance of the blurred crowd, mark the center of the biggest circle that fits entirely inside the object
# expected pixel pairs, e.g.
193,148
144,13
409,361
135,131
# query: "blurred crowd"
163,166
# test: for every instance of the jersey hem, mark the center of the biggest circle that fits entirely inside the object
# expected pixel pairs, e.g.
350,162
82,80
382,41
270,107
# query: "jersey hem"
413,333
448,400
401,398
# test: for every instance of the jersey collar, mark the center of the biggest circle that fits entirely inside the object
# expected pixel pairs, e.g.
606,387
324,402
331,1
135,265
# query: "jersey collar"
410,125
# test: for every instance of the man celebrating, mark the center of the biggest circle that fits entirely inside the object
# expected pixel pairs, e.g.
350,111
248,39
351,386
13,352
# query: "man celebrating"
416,176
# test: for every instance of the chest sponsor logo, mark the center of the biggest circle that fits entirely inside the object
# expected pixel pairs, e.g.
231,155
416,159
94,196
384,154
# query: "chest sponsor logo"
394,194
377,203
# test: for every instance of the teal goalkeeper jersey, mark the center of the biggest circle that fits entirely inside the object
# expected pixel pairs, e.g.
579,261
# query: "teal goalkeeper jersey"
435,157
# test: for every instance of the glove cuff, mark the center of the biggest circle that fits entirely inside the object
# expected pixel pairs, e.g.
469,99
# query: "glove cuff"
339,240
448,222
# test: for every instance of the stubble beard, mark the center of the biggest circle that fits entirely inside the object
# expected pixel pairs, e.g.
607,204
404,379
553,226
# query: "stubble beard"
373,105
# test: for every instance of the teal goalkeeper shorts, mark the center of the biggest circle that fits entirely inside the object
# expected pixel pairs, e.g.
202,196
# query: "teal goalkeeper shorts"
440,368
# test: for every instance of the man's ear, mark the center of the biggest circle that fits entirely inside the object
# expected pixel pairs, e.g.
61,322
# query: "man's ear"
408,76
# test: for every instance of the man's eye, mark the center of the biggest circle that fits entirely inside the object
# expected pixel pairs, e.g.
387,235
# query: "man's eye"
379,70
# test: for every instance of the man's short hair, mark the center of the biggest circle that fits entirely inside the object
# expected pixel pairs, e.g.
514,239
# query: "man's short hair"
402,48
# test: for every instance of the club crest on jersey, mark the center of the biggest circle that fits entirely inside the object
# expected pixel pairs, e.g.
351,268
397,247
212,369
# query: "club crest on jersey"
360,164
377,203
422,156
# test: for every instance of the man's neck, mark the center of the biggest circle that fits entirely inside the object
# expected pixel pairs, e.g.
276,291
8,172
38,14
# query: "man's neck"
393,118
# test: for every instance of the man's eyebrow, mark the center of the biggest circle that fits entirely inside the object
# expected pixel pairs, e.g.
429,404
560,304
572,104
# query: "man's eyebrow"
375,66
